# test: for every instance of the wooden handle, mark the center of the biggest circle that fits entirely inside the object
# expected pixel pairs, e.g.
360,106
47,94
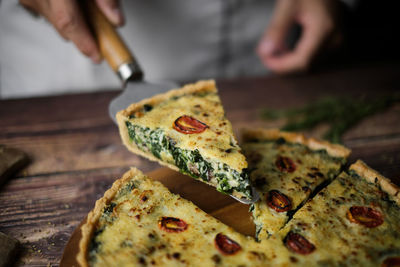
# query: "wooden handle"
112,47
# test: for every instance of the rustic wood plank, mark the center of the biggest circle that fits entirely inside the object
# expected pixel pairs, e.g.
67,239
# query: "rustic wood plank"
243,98
76,151
386,123
382,124
41,212
381,154
81,111
290,91
55,113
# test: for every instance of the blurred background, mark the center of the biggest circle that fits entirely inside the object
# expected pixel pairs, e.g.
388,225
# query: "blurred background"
181,41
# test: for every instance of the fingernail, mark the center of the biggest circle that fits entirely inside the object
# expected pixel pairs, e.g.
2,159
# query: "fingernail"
118,17
266,47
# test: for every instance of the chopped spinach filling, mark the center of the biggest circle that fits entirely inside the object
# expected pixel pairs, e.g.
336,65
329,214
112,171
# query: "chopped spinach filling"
189,162
107,217
95,245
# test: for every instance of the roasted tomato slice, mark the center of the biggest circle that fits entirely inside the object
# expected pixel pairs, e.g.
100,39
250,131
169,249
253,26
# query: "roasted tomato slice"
226,245
285,164
189,125
391,262
278,201
172,225
298,244
365,215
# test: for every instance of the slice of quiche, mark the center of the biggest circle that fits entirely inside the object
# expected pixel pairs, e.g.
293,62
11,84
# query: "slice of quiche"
186,130
287,168
139,222
354,221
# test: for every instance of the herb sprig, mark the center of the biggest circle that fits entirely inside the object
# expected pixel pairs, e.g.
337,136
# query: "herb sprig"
340,113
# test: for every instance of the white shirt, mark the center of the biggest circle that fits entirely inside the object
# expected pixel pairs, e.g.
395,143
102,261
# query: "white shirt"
172,40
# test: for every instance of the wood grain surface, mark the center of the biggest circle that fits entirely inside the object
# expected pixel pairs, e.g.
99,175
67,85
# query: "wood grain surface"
76,152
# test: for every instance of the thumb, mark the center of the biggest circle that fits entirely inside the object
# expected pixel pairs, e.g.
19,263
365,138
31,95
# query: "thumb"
112,10
273,41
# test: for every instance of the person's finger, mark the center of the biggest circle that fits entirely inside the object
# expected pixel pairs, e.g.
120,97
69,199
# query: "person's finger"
273,41
112,10
315,32
68,19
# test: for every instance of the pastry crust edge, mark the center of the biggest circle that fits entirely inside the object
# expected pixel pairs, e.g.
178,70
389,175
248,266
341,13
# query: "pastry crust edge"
122,116
334,150
372,176
87,229
200,86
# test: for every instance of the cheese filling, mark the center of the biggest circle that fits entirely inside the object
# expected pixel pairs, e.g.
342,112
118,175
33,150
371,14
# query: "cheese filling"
292,170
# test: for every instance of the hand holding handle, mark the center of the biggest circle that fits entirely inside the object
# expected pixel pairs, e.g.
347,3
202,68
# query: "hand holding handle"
111,45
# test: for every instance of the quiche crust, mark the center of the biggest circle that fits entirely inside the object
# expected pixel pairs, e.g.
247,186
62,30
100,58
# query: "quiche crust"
88,228
276,254
375,177
205,240
349,222
198,87
201,86
333,150
288,173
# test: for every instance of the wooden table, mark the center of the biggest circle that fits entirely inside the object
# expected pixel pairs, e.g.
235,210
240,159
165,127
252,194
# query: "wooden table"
76,152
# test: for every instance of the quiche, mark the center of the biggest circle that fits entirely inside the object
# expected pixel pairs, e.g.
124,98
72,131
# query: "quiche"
354,221
286,168
186,130
139,222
